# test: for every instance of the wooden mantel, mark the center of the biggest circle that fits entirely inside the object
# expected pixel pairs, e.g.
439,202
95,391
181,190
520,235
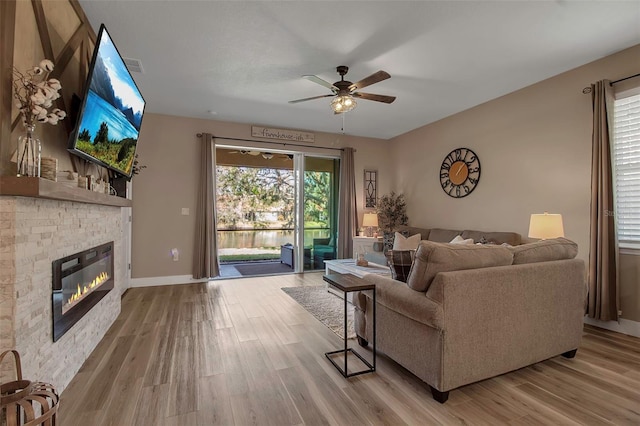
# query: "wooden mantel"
43,188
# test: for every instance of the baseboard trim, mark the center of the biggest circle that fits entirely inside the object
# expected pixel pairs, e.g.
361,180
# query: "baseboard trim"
170,280
625,326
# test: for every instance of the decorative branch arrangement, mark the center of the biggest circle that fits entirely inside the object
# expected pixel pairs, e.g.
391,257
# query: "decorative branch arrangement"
34,94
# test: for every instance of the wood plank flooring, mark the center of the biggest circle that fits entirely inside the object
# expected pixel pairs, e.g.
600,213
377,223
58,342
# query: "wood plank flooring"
243,352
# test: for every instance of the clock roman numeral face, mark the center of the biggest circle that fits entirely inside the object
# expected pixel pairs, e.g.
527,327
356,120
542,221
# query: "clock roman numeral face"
460,172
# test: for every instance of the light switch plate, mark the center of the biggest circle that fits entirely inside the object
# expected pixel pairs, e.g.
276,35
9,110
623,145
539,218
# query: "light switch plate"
185,211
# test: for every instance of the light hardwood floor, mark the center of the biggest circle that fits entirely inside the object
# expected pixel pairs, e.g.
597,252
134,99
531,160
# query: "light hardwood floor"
243,352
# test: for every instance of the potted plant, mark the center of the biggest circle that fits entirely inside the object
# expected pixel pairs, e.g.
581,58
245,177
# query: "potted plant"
392,211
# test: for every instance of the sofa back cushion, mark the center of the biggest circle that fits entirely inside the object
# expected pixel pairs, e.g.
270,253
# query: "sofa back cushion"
442,235
432,258
408,231
511,238
544,251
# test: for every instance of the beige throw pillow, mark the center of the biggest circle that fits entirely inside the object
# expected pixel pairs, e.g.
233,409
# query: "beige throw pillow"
400,242
459,240
432,258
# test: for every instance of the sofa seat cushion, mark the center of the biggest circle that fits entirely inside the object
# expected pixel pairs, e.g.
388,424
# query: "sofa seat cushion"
511,238
432,258
544,251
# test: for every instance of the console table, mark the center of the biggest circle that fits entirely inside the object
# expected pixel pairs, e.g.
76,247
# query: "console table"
364,244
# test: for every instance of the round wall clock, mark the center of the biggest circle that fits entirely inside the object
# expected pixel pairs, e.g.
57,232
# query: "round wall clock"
460,172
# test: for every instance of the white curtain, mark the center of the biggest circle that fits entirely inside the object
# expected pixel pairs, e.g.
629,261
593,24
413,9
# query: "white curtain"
347,205
205,259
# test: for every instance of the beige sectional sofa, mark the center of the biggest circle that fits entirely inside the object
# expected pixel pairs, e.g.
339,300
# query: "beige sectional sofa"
470,312
446,235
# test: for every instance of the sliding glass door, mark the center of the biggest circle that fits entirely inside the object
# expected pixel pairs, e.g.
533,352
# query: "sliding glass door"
318,210
276,212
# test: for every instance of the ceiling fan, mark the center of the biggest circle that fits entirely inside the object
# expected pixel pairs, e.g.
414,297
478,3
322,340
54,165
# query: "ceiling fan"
344,91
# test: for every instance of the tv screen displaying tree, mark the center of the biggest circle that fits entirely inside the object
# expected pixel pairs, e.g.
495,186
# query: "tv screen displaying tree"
111,114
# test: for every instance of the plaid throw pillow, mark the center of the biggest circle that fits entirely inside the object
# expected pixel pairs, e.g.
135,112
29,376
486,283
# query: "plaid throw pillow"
400,262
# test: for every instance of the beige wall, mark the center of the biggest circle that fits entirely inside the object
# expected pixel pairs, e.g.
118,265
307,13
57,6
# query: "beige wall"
169,148
534,146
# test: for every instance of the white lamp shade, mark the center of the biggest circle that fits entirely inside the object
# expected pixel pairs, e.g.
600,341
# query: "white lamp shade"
370,219
546,226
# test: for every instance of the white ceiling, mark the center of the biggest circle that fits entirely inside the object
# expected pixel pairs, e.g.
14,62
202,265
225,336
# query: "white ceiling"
244,60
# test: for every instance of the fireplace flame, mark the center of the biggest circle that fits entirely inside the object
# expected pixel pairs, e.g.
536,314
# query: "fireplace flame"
86,289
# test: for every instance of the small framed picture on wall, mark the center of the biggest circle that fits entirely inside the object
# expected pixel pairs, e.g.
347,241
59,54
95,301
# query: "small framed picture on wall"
370,188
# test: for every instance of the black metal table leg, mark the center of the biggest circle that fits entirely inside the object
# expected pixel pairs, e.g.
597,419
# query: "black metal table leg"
348,283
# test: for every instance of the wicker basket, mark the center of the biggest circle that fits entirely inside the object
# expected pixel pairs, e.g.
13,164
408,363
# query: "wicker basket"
23,402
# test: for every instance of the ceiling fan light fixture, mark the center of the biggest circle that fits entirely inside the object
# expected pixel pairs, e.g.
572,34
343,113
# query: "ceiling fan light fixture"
343,103
267,155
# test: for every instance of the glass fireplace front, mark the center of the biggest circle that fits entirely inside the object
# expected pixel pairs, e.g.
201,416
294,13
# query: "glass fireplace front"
80,281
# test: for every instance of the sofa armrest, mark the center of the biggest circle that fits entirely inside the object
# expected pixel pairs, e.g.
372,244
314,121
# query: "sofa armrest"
398,297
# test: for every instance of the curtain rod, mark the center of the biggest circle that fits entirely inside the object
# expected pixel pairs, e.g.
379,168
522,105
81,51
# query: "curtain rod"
284,144
588,88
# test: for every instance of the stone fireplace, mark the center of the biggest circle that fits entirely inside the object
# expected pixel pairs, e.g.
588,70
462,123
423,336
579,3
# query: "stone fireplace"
34,233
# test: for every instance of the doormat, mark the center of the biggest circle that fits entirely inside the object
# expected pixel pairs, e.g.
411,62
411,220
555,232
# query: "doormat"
325,306
263,268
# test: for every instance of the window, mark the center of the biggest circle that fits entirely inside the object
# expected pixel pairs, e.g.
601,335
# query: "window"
626,157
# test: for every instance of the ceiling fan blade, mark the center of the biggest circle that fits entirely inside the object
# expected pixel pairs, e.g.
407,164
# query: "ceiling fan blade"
309,99
321,82
368,81
371,97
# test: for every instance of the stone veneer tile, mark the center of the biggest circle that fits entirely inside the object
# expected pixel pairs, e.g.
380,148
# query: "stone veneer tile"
41,231
7,282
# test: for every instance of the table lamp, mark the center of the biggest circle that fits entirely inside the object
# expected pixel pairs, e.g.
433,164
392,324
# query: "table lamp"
370,220
546,226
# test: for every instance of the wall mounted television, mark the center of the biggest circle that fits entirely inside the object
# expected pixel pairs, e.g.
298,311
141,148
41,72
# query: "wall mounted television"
109,119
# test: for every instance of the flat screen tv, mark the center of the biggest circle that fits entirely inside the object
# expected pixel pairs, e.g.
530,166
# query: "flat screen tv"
110,116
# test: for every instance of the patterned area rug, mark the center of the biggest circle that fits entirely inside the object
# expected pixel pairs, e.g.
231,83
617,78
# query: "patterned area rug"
325,306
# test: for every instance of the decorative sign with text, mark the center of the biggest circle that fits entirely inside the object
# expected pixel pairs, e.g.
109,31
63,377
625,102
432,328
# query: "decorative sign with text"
282,134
